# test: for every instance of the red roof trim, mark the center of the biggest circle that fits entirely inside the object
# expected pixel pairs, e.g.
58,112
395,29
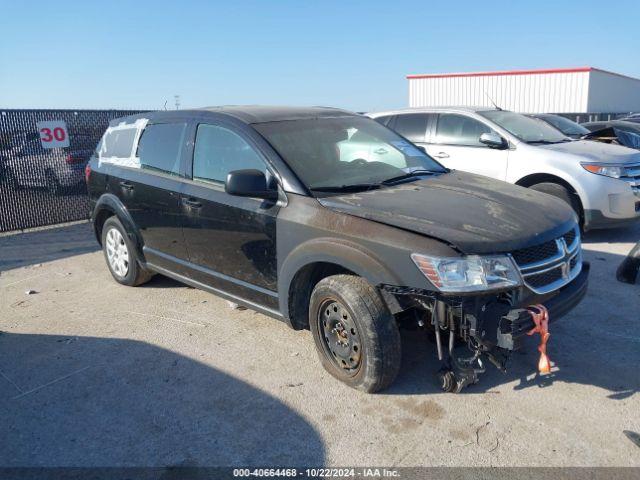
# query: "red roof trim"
503,72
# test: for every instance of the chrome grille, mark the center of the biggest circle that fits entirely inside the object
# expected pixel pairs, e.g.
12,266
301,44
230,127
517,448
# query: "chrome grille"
632,177
550,265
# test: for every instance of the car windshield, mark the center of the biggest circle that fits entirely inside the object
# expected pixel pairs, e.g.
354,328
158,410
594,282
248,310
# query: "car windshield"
529,130
348,152
566,126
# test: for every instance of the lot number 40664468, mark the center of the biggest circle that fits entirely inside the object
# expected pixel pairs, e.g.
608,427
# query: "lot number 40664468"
53,134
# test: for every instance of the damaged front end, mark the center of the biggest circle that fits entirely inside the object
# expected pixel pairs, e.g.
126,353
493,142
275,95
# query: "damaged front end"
473,328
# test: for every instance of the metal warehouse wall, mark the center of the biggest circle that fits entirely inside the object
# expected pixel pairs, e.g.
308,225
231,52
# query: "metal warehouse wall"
610,92
526,91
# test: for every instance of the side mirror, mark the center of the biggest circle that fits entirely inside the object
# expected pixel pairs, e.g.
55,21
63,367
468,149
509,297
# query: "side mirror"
493,140
249,183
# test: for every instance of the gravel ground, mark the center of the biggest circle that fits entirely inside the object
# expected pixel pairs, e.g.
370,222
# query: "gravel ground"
96,374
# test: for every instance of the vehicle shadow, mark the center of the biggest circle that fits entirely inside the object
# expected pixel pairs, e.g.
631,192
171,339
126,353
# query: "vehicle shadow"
596,344
32,248
96,402
160,281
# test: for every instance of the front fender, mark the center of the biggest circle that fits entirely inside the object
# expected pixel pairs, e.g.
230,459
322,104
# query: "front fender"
343,253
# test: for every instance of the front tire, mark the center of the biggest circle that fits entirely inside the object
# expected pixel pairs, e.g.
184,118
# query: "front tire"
120,254
562,193
355,335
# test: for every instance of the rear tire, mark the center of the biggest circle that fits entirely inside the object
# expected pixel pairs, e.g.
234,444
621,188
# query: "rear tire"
562,193
120,255
52,184
356,336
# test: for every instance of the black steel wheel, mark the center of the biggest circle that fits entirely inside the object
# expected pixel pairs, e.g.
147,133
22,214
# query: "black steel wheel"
341,340
356,336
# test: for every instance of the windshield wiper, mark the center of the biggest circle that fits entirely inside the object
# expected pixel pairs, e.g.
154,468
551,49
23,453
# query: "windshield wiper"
414,173
356,187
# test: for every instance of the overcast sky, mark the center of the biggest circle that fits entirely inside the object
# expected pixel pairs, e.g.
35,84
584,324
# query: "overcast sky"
350,54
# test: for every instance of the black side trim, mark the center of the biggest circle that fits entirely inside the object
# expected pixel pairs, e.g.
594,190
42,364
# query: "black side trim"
213,273
228,296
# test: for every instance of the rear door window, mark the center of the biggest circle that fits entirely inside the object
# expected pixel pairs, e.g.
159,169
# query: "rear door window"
412,126
160,147
219,151
454,129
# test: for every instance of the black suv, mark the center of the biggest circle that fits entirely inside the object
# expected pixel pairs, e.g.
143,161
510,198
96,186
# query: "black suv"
329,221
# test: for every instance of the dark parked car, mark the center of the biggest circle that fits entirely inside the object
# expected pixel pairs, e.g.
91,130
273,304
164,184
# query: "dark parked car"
618,132
634,117
269,208
570,128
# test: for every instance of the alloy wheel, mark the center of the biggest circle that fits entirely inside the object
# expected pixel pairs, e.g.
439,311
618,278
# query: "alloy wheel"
117,253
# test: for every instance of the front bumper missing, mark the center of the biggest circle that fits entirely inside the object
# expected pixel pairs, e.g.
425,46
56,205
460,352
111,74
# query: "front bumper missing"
491,325
515,324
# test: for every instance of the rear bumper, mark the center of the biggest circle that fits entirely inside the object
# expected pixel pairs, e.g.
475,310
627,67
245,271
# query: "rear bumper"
518,322
72,177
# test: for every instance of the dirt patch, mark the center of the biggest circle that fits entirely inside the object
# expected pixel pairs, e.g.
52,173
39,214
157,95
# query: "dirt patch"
426,409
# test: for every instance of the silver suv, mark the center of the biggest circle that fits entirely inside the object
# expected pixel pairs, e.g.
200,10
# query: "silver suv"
600,181
29,165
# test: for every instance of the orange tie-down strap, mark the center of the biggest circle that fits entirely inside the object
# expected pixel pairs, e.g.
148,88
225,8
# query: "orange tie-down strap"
540,316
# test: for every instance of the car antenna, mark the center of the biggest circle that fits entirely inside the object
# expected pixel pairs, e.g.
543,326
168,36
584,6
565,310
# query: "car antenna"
492,102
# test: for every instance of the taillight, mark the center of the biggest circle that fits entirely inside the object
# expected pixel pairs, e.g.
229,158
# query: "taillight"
87,172
71,160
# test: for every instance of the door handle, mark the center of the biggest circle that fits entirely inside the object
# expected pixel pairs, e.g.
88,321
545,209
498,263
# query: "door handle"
381,151
127,185
441,155
191,202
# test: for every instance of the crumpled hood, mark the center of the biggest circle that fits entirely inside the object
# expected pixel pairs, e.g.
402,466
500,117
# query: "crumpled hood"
473,213
592,151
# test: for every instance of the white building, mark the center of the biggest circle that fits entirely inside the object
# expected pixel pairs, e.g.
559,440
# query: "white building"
562,90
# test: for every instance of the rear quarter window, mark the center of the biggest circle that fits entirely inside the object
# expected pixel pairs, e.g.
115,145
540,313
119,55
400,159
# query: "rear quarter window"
117,143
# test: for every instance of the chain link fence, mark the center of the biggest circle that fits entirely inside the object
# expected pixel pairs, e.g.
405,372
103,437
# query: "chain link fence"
43,154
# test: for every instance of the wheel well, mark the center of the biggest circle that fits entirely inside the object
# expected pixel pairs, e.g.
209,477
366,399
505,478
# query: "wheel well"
302,284
99,220
536,178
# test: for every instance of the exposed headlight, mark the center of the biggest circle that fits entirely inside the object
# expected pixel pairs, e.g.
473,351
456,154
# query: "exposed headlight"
606,170
469,274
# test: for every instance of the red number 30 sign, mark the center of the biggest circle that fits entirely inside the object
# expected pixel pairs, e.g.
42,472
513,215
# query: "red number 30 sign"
53,134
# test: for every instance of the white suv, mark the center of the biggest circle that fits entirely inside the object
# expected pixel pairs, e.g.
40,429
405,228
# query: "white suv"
600,181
